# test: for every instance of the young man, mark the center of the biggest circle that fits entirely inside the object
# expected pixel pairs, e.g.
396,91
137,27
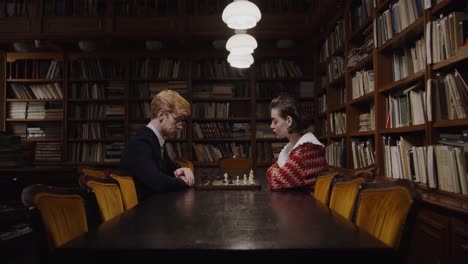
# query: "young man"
145,158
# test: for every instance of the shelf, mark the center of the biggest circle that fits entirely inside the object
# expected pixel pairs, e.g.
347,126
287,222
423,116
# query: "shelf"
95,80
221,99
438,8
96,119
97,140
362,133
418,128
363,62
301,98
408,34
42,139
271,139
210,140
140,99
458,203
369,97
160,80
200,119
411,78
91,163
338,108
33,100
34,120
217,79
362,29
96,100
450,123
451,62
384,5
285,79
34,80
337,136
338,80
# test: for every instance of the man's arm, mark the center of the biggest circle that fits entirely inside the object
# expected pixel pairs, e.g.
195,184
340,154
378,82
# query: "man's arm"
148,171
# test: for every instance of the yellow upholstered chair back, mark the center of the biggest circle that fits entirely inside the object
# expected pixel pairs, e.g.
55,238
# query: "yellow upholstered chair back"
108,196
94,172
343,197
322,187
61,214
127,190
383,212
185,164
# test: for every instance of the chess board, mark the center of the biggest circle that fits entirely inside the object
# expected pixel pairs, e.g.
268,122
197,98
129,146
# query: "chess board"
222,185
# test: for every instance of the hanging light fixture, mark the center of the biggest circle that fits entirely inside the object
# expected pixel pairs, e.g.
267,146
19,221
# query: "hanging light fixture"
240,60
241,14
241,44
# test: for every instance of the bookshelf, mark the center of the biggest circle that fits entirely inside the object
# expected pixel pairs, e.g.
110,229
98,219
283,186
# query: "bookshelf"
404,76
34,108
107,96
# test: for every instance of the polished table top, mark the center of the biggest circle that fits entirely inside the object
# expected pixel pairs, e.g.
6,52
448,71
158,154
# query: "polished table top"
194,222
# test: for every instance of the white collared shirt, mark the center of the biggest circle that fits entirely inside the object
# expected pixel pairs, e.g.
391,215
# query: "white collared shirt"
306,138
156,132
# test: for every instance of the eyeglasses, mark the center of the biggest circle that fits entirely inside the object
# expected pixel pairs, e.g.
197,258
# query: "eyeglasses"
178,121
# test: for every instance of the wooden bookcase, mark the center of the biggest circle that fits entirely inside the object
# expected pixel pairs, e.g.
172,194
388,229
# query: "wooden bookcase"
441,223
107,96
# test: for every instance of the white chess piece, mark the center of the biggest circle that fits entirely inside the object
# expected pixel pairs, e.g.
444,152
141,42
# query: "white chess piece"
225,177
251,176
237,180
245,178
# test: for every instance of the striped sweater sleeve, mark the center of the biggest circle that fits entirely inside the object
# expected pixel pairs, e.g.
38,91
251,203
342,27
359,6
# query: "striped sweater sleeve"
303,165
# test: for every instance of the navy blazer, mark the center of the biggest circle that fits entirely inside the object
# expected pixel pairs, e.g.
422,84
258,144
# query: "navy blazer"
142,160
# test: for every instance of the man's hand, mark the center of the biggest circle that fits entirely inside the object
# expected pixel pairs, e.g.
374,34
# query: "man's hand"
186,175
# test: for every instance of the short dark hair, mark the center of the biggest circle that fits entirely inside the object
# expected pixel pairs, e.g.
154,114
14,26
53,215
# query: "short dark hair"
289,106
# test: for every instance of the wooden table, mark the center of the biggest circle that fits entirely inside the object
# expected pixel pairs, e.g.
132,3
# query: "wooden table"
230,224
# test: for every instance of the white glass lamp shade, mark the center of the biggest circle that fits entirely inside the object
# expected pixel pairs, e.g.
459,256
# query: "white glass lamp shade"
240,60
241,14
241,44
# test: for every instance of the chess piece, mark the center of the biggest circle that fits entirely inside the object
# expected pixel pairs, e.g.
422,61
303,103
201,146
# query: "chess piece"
251,176
225,177
245,179
237,180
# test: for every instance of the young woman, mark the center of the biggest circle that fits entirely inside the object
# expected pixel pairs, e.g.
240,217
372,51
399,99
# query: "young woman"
303,158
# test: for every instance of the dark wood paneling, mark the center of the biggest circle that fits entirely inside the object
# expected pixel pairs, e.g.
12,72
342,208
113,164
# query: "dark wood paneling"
74,25
430,241
16,25
148,25
459,240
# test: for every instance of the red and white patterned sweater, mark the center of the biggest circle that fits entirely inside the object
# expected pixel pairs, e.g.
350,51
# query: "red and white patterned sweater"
304,163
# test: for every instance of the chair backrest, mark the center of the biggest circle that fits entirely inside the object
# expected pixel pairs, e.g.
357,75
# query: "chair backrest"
186,164
108,196
127,190
322,187
59,214
235,166
383,211
343,197
94,172
368,173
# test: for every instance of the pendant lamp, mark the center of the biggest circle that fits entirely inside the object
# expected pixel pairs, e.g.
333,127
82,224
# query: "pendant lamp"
241,14
241,44
240,60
